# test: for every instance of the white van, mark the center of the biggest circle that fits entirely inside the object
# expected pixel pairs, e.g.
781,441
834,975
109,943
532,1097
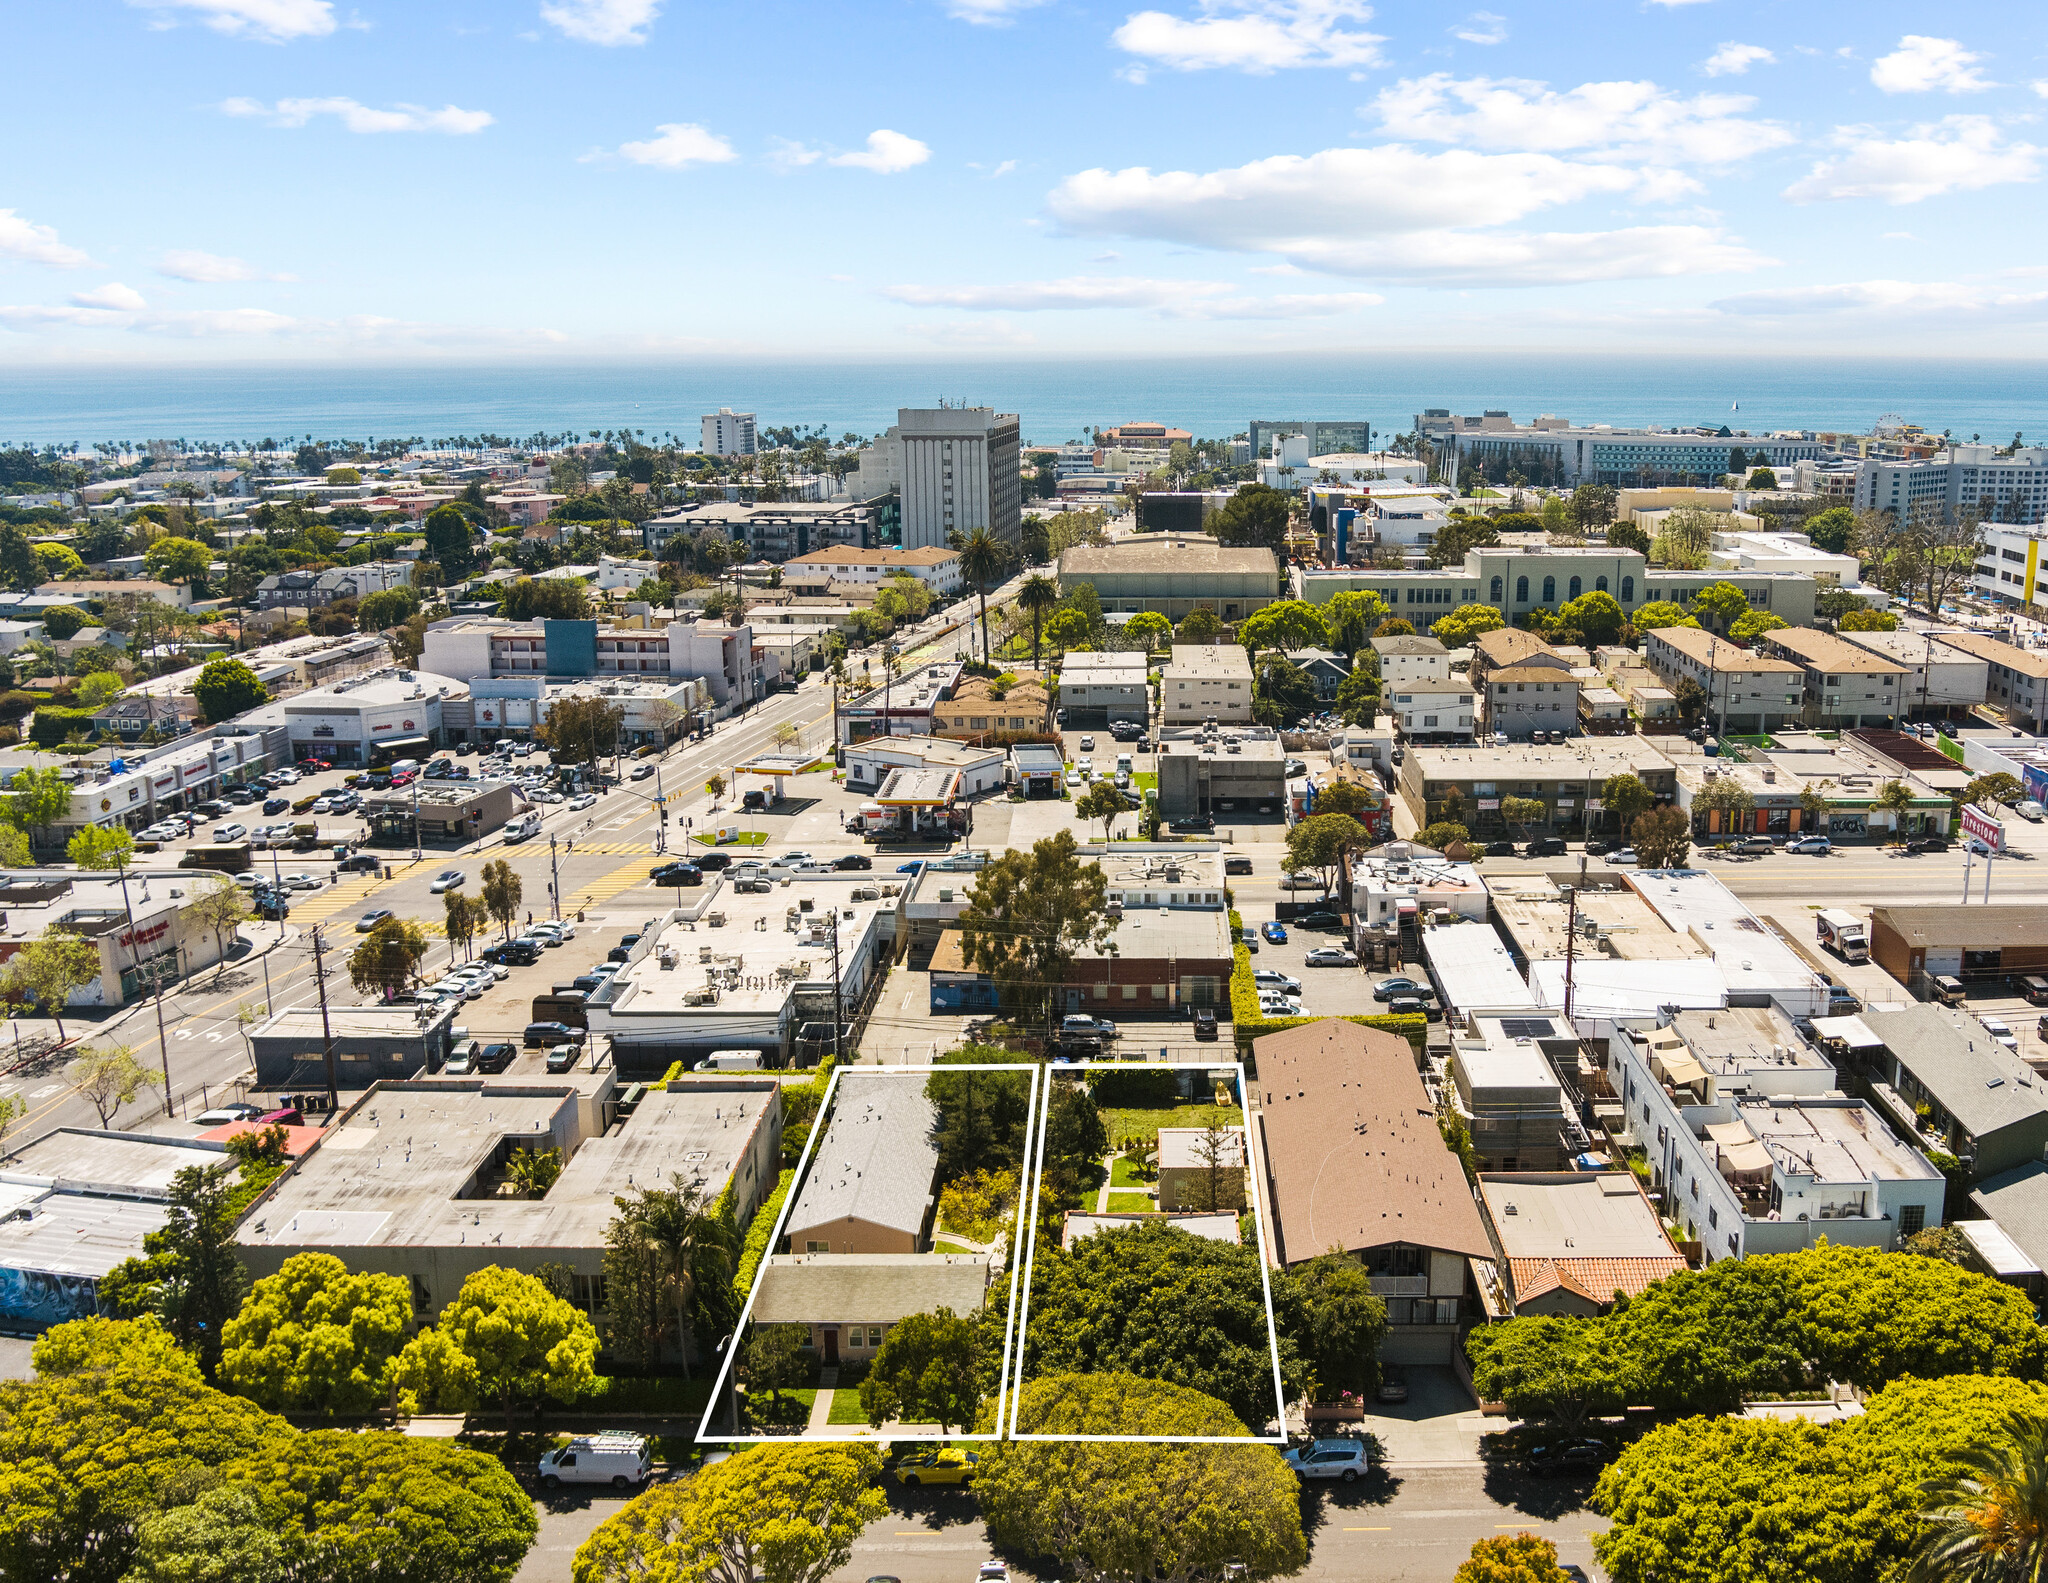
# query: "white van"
2028,810
731,1061
403,765
618,1460
527,824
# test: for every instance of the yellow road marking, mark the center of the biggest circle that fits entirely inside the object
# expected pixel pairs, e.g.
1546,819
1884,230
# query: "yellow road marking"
1369,1530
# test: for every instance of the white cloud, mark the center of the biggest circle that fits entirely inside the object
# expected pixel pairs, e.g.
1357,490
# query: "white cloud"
201,322
126,299
1960,153
361,117
602,21
887,153
1676,3
1626,120
788,155
1900,236
1884,297
1921,64
1732,60
1075,291
1482,27
208,269
679,145
1395,213
1175,299
267,21
36,244
1254,35
989,13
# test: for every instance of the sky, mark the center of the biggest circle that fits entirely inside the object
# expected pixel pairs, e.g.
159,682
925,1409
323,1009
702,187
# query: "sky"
368,181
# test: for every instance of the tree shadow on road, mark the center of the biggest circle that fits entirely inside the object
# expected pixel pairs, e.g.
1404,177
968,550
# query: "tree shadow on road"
941,1506
1322,1504
1508,1484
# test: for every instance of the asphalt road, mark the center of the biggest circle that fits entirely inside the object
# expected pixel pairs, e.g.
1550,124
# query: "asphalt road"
1412,1527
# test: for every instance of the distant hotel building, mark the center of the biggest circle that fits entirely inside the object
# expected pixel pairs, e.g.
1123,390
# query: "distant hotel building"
1550,450
728,433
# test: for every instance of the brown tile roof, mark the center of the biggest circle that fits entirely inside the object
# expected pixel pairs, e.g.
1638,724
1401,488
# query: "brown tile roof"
1527,673
1352,1148
1596,1280
845,555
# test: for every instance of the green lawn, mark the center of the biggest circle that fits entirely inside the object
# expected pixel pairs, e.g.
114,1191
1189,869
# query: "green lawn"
744,838
1130,1204
1124,1173
1145,780
846,1408
1146,1123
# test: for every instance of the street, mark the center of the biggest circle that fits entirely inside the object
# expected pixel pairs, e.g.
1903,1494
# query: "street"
1399,1526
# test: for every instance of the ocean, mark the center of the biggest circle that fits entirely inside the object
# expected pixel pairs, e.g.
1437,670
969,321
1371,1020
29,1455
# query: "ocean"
1058,400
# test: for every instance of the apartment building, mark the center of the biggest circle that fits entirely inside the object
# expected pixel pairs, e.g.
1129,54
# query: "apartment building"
937,567
1439,710
1207,681
1750,1148
2017,679
775,532
1746,692
1322,437
728,433
1939,681
1845,686
1566,777
2008,567
1097,689
1521,700
2006,488
726,658
959,470
974,711
1414,658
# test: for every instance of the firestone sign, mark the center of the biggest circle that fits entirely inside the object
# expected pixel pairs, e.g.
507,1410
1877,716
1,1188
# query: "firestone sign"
1980,824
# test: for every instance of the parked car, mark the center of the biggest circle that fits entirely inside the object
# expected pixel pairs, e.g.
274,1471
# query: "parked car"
1275,931
1272,978
562,1058
1546,846
1205,1024
1393,1386
1388,988
708,861
1565,1457
1597,848
1201,822
855,860
1330,956
551,1033
494,1058
1500,849
1624,858
678,874
1345,1460
229,832
1928,843
276,804
1318,921
946,1465
1299,881
1237,865
1815,845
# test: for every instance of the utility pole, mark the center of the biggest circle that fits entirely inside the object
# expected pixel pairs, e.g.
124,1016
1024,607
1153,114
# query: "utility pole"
554,881
135,958
1571,937
326,1024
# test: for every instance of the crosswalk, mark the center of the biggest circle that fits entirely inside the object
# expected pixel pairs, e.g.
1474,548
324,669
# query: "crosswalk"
346,896
610,848
595,892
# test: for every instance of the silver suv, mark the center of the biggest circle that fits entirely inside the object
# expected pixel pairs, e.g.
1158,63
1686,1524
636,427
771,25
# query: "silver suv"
1347,1460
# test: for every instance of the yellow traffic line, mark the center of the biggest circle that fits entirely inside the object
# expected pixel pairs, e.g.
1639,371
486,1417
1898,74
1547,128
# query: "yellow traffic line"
602,890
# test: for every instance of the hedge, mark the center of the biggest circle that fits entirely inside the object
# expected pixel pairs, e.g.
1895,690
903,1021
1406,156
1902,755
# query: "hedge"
1248,1022
54,726
755,1249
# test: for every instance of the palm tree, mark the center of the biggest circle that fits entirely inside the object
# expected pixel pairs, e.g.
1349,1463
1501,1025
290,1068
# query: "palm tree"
982,559
1039,596
1987,1521
694,1243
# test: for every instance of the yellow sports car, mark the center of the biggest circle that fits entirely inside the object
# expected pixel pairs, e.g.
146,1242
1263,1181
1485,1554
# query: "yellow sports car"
946,1466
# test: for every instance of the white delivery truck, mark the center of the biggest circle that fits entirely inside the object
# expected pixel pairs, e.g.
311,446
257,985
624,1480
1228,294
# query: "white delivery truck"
523,826
618,1460
1843,933
731,1061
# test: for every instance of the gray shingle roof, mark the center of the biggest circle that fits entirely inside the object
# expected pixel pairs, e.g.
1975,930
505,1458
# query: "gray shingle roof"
1978,1081
877,1158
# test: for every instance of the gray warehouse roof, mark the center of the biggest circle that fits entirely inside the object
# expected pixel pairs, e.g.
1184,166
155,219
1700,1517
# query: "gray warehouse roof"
870,1288
877,1158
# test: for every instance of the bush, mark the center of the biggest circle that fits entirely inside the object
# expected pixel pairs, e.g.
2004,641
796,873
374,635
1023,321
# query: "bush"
755,1248
54,726
1443,833
1247,1022
1137,1088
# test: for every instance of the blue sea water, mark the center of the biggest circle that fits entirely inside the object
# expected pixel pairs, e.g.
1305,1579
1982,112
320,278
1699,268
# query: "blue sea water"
1057,399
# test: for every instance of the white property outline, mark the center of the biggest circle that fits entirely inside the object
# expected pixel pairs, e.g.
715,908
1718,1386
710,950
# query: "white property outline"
1252,1172
1033,1106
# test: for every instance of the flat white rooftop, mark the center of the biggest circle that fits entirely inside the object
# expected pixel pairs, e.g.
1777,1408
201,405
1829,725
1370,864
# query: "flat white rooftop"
1753,960
1474,970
